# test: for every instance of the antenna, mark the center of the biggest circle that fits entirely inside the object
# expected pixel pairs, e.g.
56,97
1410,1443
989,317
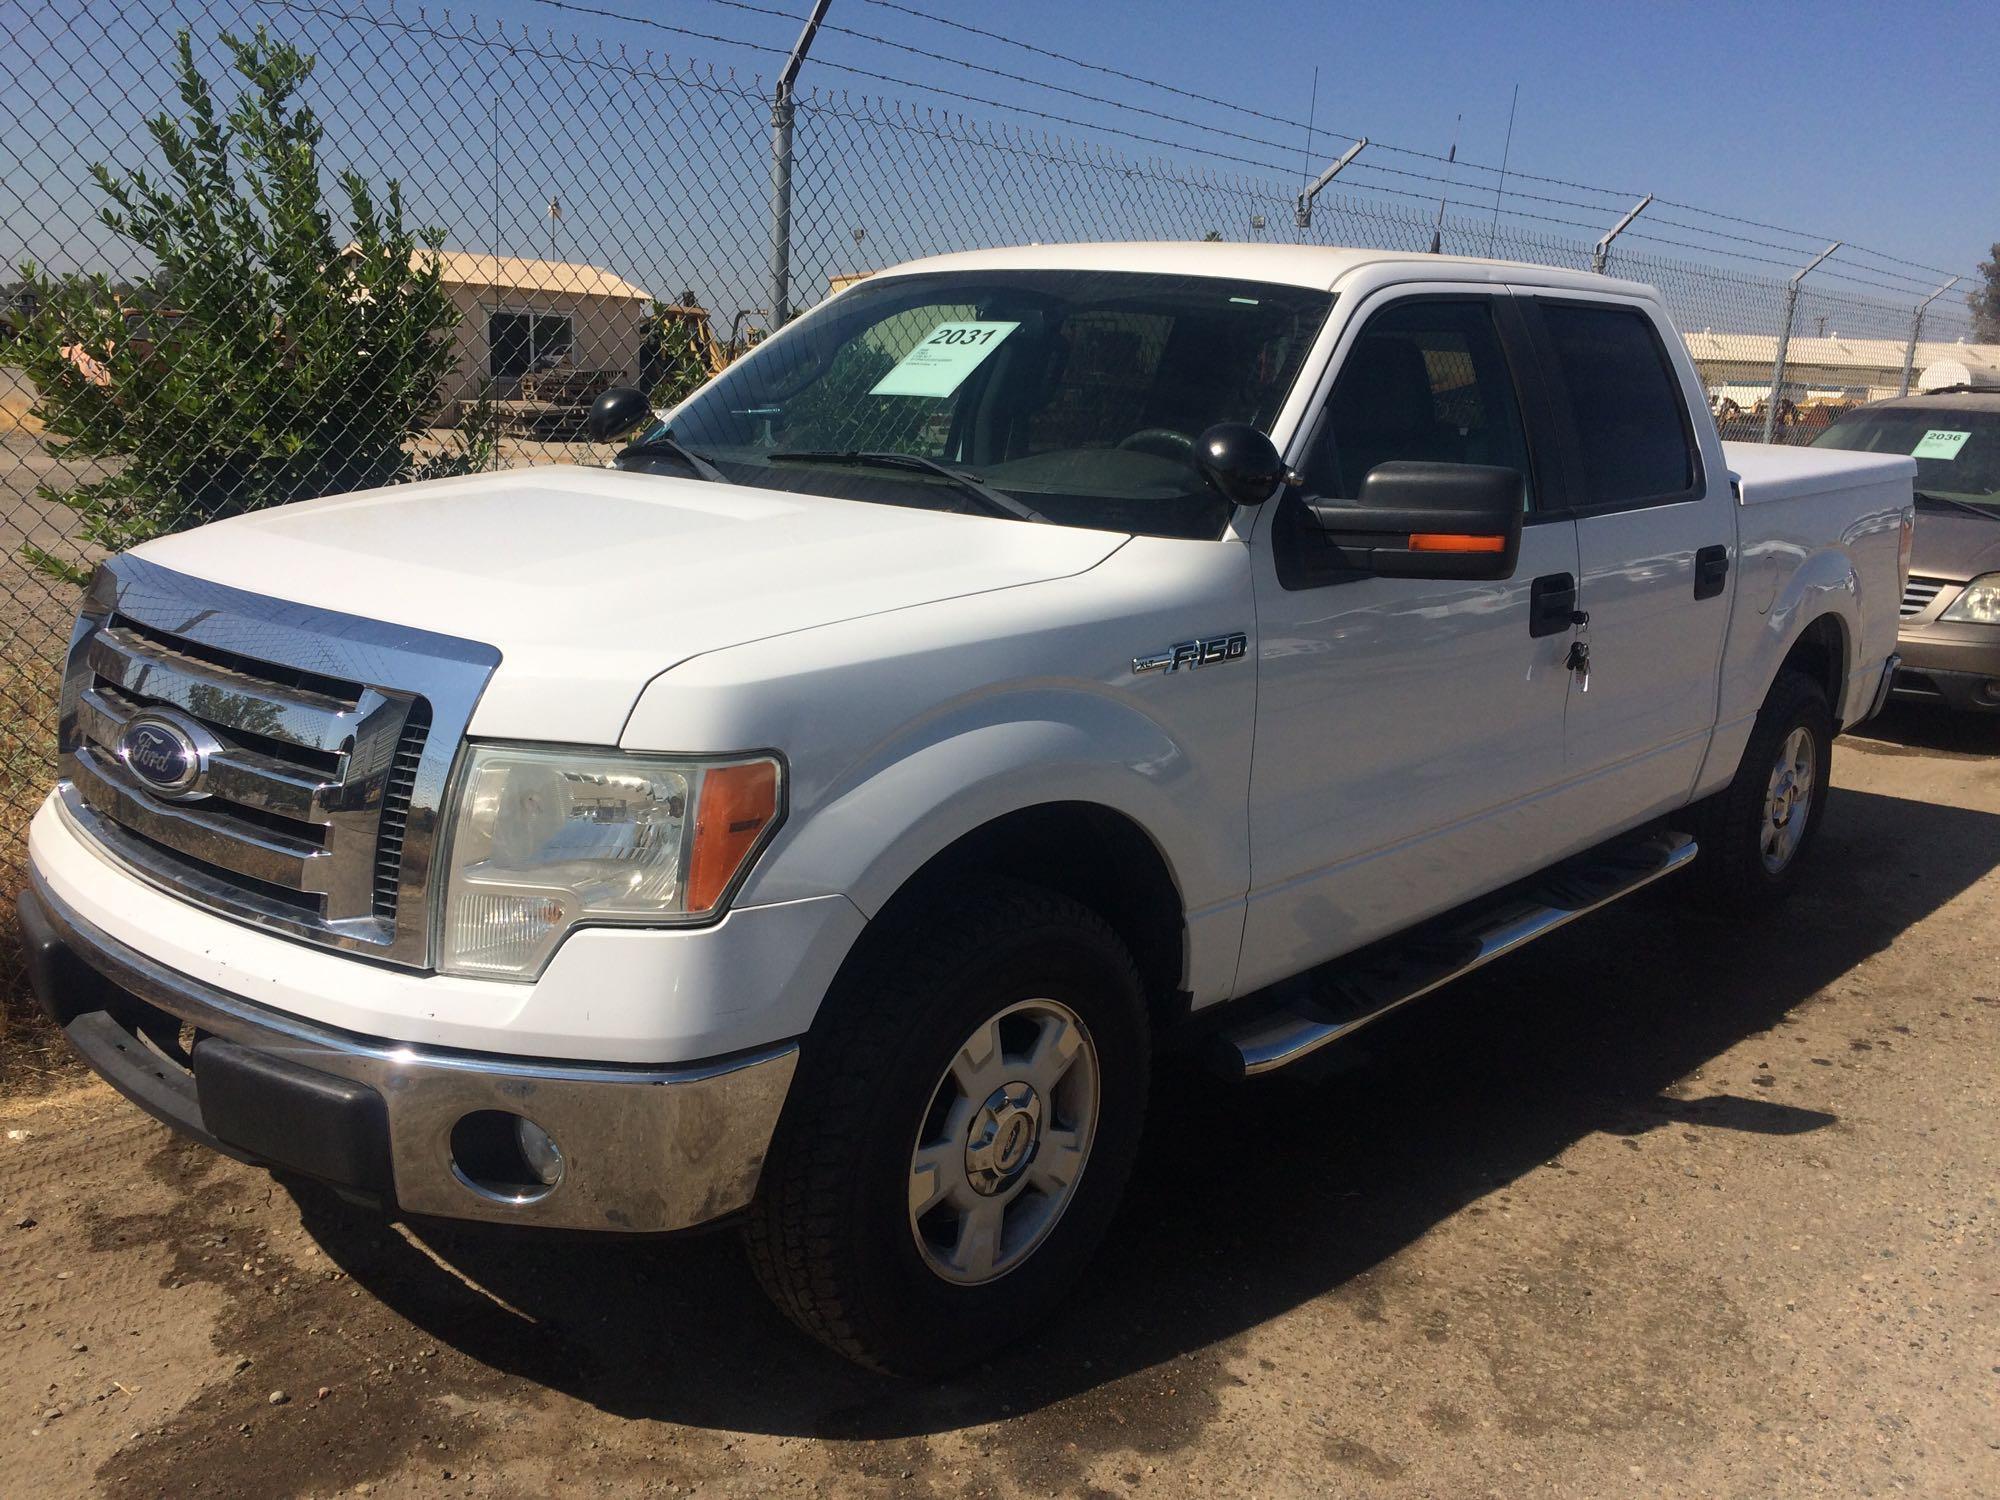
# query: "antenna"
1505,151
1312,117
1437,229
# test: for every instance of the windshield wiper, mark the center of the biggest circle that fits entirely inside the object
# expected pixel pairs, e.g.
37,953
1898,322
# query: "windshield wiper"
1984,512
998,501
664,443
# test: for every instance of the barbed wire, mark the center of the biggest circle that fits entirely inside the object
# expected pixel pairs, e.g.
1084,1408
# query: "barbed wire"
1375,142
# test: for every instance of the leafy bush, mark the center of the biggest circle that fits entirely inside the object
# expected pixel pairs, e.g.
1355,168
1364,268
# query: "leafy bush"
268,359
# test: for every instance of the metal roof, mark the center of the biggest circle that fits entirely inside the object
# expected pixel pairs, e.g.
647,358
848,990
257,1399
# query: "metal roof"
514,274
1835,351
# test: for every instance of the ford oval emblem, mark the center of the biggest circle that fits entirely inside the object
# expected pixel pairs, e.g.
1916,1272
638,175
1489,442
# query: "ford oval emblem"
161,754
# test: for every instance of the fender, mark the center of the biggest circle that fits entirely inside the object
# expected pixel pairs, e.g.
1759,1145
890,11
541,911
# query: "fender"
941,778
907,730
1825,585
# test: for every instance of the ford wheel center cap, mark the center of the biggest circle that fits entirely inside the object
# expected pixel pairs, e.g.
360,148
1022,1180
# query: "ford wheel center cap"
161,754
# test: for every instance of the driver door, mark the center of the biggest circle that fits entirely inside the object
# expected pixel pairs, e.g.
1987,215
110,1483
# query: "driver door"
1407,729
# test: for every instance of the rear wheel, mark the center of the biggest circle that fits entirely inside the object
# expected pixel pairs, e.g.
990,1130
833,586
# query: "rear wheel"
1756,832
963,1122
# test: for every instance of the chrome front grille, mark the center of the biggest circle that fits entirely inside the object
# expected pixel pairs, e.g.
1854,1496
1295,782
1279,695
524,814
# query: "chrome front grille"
1918,594
395,819
323,741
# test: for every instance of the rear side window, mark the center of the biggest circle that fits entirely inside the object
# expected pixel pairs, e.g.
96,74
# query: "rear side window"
1631,427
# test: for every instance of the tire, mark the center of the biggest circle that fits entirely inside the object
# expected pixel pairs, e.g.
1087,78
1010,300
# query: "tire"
977,994
1752,849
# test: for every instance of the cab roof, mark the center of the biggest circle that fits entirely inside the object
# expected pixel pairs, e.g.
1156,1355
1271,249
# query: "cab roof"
1318,266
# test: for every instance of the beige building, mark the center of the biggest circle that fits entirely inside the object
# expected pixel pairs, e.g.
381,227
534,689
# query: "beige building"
1833,368
519,315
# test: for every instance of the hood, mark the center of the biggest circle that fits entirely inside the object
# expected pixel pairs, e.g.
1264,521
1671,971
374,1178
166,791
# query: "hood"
590,582
1949,544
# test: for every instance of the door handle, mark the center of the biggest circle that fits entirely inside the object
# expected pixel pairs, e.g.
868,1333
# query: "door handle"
1551,604
1711,571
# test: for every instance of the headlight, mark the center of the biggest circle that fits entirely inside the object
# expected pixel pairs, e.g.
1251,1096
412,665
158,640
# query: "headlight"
1979,602
547,839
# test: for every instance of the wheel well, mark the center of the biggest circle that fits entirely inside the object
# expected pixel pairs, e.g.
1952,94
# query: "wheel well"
1821,653
1092,854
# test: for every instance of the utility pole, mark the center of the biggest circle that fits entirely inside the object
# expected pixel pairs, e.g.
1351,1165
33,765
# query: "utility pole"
783,110
1917,332
1603,250
1785,339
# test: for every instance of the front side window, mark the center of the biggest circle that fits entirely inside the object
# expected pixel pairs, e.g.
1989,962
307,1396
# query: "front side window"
1631,428
1427,380
1081,393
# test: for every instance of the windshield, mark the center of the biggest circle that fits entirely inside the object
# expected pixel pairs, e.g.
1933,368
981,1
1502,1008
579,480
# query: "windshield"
1957,451
1079,393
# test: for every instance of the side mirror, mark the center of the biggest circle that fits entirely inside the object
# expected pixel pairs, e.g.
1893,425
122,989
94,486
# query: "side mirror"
1428,520
617,412
1240,462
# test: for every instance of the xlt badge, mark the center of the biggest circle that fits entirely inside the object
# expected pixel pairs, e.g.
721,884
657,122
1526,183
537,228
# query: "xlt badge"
1196,653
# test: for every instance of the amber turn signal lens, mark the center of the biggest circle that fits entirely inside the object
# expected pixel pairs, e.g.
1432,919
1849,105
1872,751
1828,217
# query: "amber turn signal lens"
737,804
1445,541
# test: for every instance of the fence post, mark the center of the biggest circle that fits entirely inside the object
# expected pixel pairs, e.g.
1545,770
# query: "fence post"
1917,332
783,111
1785,338
1302,210
1603,250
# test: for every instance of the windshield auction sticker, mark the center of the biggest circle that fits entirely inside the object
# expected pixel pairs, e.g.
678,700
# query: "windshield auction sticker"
939,365
1937,443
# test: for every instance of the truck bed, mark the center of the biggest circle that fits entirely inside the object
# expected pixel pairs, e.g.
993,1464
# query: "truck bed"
1810,522
1766,472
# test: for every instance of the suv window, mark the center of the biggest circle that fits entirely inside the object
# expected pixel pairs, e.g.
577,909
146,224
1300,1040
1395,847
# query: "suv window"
1427,379
1631,427
1957,448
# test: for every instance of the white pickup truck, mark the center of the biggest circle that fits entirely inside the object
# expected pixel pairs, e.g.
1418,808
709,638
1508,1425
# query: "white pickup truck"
1026,661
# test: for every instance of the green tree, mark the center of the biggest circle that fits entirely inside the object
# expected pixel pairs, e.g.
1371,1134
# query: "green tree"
266,359
681,342
1984,300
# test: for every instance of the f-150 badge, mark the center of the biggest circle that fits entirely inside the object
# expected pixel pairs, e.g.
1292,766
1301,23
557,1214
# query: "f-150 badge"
1199,653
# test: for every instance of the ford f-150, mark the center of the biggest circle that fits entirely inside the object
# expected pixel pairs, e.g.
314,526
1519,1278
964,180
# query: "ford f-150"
1026,661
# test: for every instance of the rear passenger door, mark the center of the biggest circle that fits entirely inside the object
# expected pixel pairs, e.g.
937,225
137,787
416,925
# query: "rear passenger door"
1656,544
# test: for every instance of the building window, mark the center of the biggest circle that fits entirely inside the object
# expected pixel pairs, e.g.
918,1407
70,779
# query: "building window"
517,342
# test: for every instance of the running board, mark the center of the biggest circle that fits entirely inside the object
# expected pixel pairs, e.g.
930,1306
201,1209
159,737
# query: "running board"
1355,991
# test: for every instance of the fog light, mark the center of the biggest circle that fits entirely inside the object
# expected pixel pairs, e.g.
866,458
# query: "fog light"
504,1156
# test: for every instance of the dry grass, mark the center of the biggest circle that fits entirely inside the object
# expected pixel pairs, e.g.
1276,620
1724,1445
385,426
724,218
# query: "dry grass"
31,1054
17,398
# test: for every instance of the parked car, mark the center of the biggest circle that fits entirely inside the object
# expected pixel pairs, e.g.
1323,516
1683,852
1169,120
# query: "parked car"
1025,662
1950,638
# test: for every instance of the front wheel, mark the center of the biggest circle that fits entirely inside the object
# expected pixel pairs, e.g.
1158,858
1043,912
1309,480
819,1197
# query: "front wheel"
1756,832
963,1122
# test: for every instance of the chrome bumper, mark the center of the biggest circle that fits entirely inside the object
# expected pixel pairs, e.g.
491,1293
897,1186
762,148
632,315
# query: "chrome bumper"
643,1149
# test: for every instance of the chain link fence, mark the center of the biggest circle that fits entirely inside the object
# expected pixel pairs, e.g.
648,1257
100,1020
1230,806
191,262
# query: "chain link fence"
216,299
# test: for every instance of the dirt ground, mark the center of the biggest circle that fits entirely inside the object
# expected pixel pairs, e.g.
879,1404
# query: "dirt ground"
1659,1206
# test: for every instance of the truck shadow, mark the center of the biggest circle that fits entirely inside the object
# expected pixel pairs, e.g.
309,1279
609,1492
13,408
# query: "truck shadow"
1906,727
1250,1201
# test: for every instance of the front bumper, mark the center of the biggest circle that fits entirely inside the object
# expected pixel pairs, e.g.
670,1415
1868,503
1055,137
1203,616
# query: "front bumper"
1951,663
642,1149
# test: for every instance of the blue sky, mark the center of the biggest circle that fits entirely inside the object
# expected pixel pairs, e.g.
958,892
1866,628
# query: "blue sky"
1835,119
1871,121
